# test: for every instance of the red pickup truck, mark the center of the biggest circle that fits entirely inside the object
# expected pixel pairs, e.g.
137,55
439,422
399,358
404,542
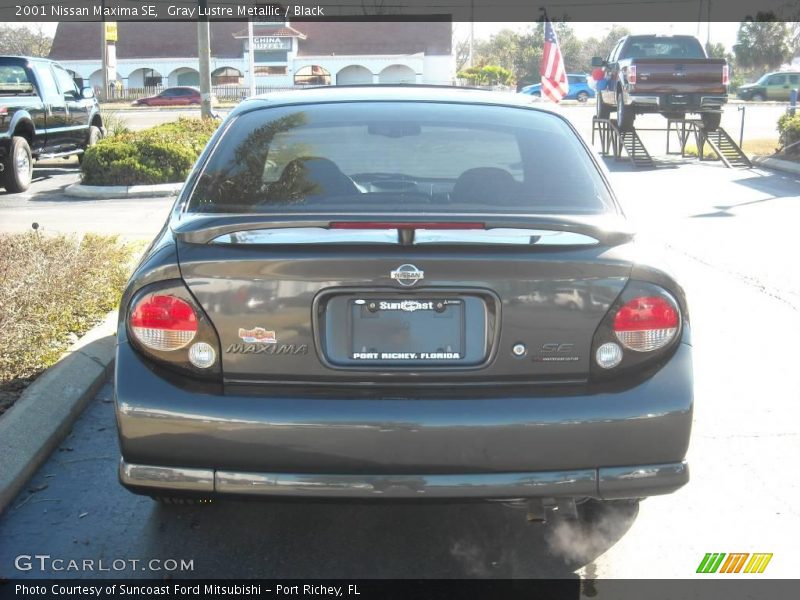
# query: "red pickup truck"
669,75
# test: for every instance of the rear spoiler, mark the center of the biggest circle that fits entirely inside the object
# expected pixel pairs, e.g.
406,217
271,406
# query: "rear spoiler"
609,230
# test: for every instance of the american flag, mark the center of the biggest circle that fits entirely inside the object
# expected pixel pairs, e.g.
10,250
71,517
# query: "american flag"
554,78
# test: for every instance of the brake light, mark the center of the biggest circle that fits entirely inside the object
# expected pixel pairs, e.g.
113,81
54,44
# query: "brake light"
632,74
404,225
163,322
725,75
646,323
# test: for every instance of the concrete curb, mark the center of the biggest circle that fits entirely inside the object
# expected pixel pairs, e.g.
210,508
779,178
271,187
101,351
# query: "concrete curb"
107,192
776,163
43,416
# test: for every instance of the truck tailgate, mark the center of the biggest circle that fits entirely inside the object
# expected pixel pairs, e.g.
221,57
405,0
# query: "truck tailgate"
687,76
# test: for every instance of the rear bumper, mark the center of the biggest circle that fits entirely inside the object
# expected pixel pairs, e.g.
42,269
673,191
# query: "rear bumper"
678,102
606,483
527,442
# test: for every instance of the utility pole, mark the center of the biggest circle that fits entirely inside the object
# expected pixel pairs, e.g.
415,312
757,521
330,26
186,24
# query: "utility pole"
204,54
251,57
103,53
471,31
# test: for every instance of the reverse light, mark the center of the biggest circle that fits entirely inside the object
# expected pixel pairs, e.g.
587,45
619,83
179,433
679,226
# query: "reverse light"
609,355
202,355
646,323
163,322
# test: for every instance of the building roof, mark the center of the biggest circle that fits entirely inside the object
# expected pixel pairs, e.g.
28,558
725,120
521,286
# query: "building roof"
178,39
376,37
159,39
271,32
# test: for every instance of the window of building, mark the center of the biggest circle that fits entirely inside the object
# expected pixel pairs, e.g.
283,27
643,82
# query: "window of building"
270,70
312,75
263,56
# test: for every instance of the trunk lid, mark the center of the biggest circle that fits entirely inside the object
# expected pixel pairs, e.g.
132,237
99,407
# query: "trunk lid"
347,301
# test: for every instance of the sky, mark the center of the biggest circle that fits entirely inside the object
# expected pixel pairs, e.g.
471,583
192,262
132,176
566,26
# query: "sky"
720,32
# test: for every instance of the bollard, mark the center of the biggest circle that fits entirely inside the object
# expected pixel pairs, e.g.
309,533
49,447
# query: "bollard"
792,101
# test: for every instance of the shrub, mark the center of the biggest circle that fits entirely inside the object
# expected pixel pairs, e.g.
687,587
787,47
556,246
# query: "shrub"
789,130
53,289
161,154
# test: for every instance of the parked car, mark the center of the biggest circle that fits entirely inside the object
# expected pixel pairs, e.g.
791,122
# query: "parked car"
668,75
391,227
172,96
43,114
772,86
579,89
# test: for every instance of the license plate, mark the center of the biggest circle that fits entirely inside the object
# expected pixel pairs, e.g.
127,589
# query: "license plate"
407,329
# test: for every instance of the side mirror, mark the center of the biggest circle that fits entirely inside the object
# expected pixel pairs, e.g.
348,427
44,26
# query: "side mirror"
598,62
87,93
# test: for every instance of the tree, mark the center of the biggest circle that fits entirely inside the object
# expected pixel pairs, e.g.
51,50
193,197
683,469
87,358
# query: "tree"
487,75
763,44
24,41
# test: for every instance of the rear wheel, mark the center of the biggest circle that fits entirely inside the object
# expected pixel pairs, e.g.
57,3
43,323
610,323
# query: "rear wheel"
625,114
95,135
582,96
602,111
18,166
711,121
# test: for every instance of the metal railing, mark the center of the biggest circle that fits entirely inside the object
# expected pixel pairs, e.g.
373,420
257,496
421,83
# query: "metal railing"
223,93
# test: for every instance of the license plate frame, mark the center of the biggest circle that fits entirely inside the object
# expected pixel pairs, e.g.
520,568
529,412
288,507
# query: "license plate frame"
407,330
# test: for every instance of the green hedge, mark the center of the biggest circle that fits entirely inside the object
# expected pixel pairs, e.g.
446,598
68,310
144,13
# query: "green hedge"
789,130
161,154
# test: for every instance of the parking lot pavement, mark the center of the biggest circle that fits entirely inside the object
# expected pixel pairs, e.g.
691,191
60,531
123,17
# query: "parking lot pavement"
44,203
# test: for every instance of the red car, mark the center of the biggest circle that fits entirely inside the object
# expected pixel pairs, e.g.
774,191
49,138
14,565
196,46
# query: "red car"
173,96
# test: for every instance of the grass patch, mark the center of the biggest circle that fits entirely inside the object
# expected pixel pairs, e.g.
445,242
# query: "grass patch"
52,290
758,147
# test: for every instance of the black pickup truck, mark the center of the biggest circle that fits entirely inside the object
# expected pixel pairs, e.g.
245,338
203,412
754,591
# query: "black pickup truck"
43,114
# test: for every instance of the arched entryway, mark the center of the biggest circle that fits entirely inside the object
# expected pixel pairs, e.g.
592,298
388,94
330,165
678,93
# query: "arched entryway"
312,75
353,75
397,74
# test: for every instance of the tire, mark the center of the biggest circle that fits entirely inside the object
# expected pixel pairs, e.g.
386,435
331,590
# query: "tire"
95,135
180,500
602,111
582,97
711,120
18,166
625,114
757,97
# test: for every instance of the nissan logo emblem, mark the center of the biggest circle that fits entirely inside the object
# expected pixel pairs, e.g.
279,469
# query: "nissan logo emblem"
407,275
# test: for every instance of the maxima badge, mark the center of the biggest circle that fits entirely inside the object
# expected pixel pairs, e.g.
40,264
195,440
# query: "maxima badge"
407,275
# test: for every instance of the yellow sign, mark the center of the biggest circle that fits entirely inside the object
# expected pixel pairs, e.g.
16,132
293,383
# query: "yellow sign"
111,31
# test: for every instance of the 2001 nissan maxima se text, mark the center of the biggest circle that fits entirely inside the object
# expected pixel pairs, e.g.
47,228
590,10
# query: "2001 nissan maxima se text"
401,292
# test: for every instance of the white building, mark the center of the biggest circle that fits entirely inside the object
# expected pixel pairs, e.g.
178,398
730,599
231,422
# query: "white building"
286,55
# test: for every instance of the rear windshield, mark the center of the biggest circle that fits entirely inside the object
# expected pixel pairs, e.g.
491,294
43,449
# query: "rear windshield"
399,157
656,47
14,80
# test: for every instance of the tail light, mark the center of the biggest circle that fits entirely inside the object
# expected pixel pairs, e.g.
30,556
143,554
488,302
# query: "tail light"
639,330
632,74
646,323
167,326
725,75
163,322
